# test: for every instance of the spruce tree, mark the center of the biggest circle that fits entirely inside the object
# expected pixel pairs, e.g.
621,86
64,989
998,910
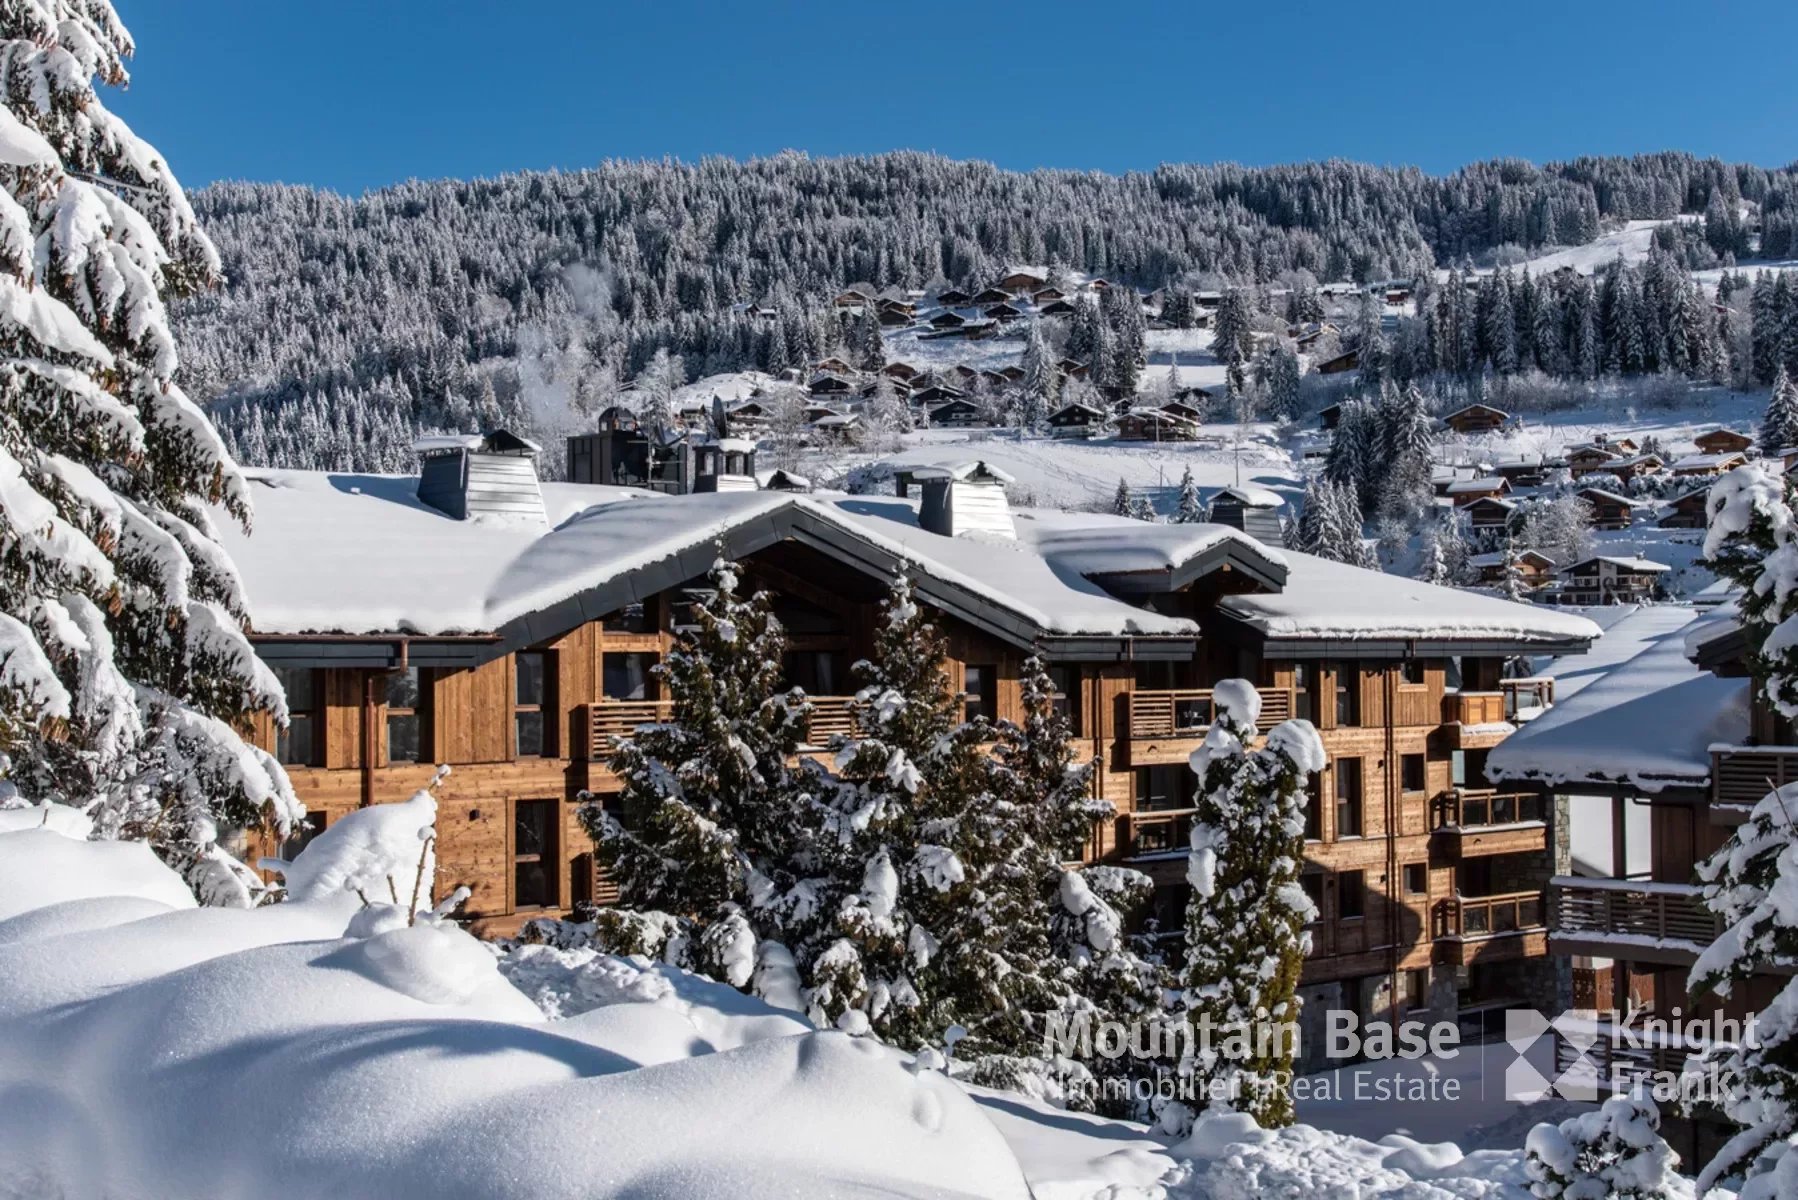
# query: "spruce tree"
900,961
1120,499
1141,509
719,822
1779,428
1245,925
1190,510
124,670
1041,379
1615,1153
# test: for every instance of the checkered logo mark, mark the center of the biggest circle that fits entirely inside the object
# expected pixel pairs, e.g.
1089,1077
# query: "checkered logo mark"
1524,1028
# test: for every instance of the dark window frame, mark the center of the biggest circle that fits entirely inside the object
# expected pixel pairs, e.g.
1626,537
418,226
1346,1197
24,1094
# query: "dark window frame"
1414,772
416,713
542,858
291,750
1351,895
982,700
1350,801
1413,873
528,713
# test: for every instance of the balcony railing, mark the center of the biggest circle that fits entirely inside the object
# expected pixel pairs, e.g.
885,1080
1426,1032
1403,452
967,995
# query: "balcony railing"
1611,1061
1633,910
1526,696
1744,774
1186,712
1489,916
1156,831
1477,808
1473,708
597,724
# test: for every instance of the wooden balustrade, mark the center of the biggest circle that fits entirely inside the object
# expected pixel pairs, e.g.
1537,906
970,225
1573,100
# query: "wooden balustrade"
1744,774
1186,712
1152,831
1666,912
1476,808
1526,695
1489,916
1473,708
597,724
1613,1063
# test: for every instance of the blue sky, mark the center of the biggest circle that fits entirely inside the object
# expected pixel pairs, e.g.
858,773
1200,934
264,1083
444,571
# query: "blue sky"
354,95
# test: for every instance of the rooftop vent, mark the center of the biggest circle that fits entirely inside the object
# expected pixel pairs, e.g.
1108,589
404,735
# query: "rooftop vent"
480,475
966,498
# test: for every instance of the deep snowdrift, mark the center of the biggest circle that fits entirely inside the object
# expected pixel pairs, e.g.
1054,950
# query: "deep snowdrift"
316,1048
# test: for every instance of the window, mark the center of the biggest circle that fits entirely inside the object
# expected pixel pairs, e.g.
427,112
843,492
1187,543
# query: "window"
626,676
1411,670
1164,787
1457,767
295,745
1065,695
1348,694
817,672
1416,985
1411,772
405,703
980,691
632,618
1417,879
534,854
1351,895
1301,692
531,671
1314,807
1348,797
1312,882
302,834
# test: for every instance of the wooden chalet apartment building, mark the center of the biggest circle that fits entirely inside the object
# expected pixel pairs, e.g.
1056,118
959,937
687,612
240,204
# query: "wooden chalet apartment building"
514,650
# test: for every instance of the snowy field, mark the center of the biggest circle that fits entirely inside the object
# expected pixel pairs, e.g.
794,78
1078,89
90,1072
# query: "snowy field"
320,1048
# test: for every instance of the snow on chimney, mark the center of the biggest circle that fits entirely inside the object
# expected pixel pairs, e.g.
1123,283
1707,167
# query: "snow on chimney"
965,498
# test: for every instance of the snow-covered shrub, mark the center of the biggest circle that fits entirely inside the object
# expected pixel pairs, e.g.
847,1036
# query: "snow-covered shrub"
1616,1153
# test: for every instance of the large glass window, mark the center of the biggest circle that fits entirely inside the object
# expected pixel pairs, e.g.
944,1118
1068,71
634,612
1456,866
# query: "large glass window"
534,854
1414,774
297,744
1065,682
626,676
406,704
1351,895
1348,694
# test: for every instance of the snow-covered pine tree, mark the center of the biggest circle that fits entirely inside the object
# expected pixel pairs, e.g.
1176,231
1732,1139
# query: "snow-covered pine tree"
899,964
1312,530
124,670
1750,881
1245,925
1040,814
1141,509
720,820
1511,584
1120,499
1779,428
1433,566
1615,1153
1283,383
1041,377
1190,510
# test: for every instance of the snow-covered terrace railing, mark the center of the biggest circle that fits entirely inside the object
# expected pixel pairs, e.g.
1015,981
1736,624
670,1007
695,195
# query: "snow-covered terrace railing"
1669,920
1186,712
1527,697
1744,774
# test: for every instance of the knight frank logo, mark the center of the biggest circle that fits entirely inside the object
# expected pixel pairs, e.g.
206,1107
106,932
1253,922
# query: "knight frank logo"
1588,1055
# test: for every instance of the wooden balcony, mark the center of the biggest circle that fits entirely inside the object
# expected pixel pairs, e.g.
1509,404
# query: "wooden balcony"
1475,720
1166,726
597,724
1476,822
1742,775
1479,929
1156,831
1616,1060
1631,919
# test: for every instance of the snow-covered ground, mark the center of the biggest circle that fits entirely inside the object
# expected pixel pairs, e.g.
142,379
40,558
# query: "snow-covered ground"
319,1048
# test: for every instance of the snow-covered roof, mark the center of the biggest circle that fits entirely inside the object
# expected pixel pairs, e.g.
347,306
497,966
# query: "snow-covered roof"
1592,491
1331,601
1490,483
1635,711
1706,462
971,469
1627,562
1254,497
